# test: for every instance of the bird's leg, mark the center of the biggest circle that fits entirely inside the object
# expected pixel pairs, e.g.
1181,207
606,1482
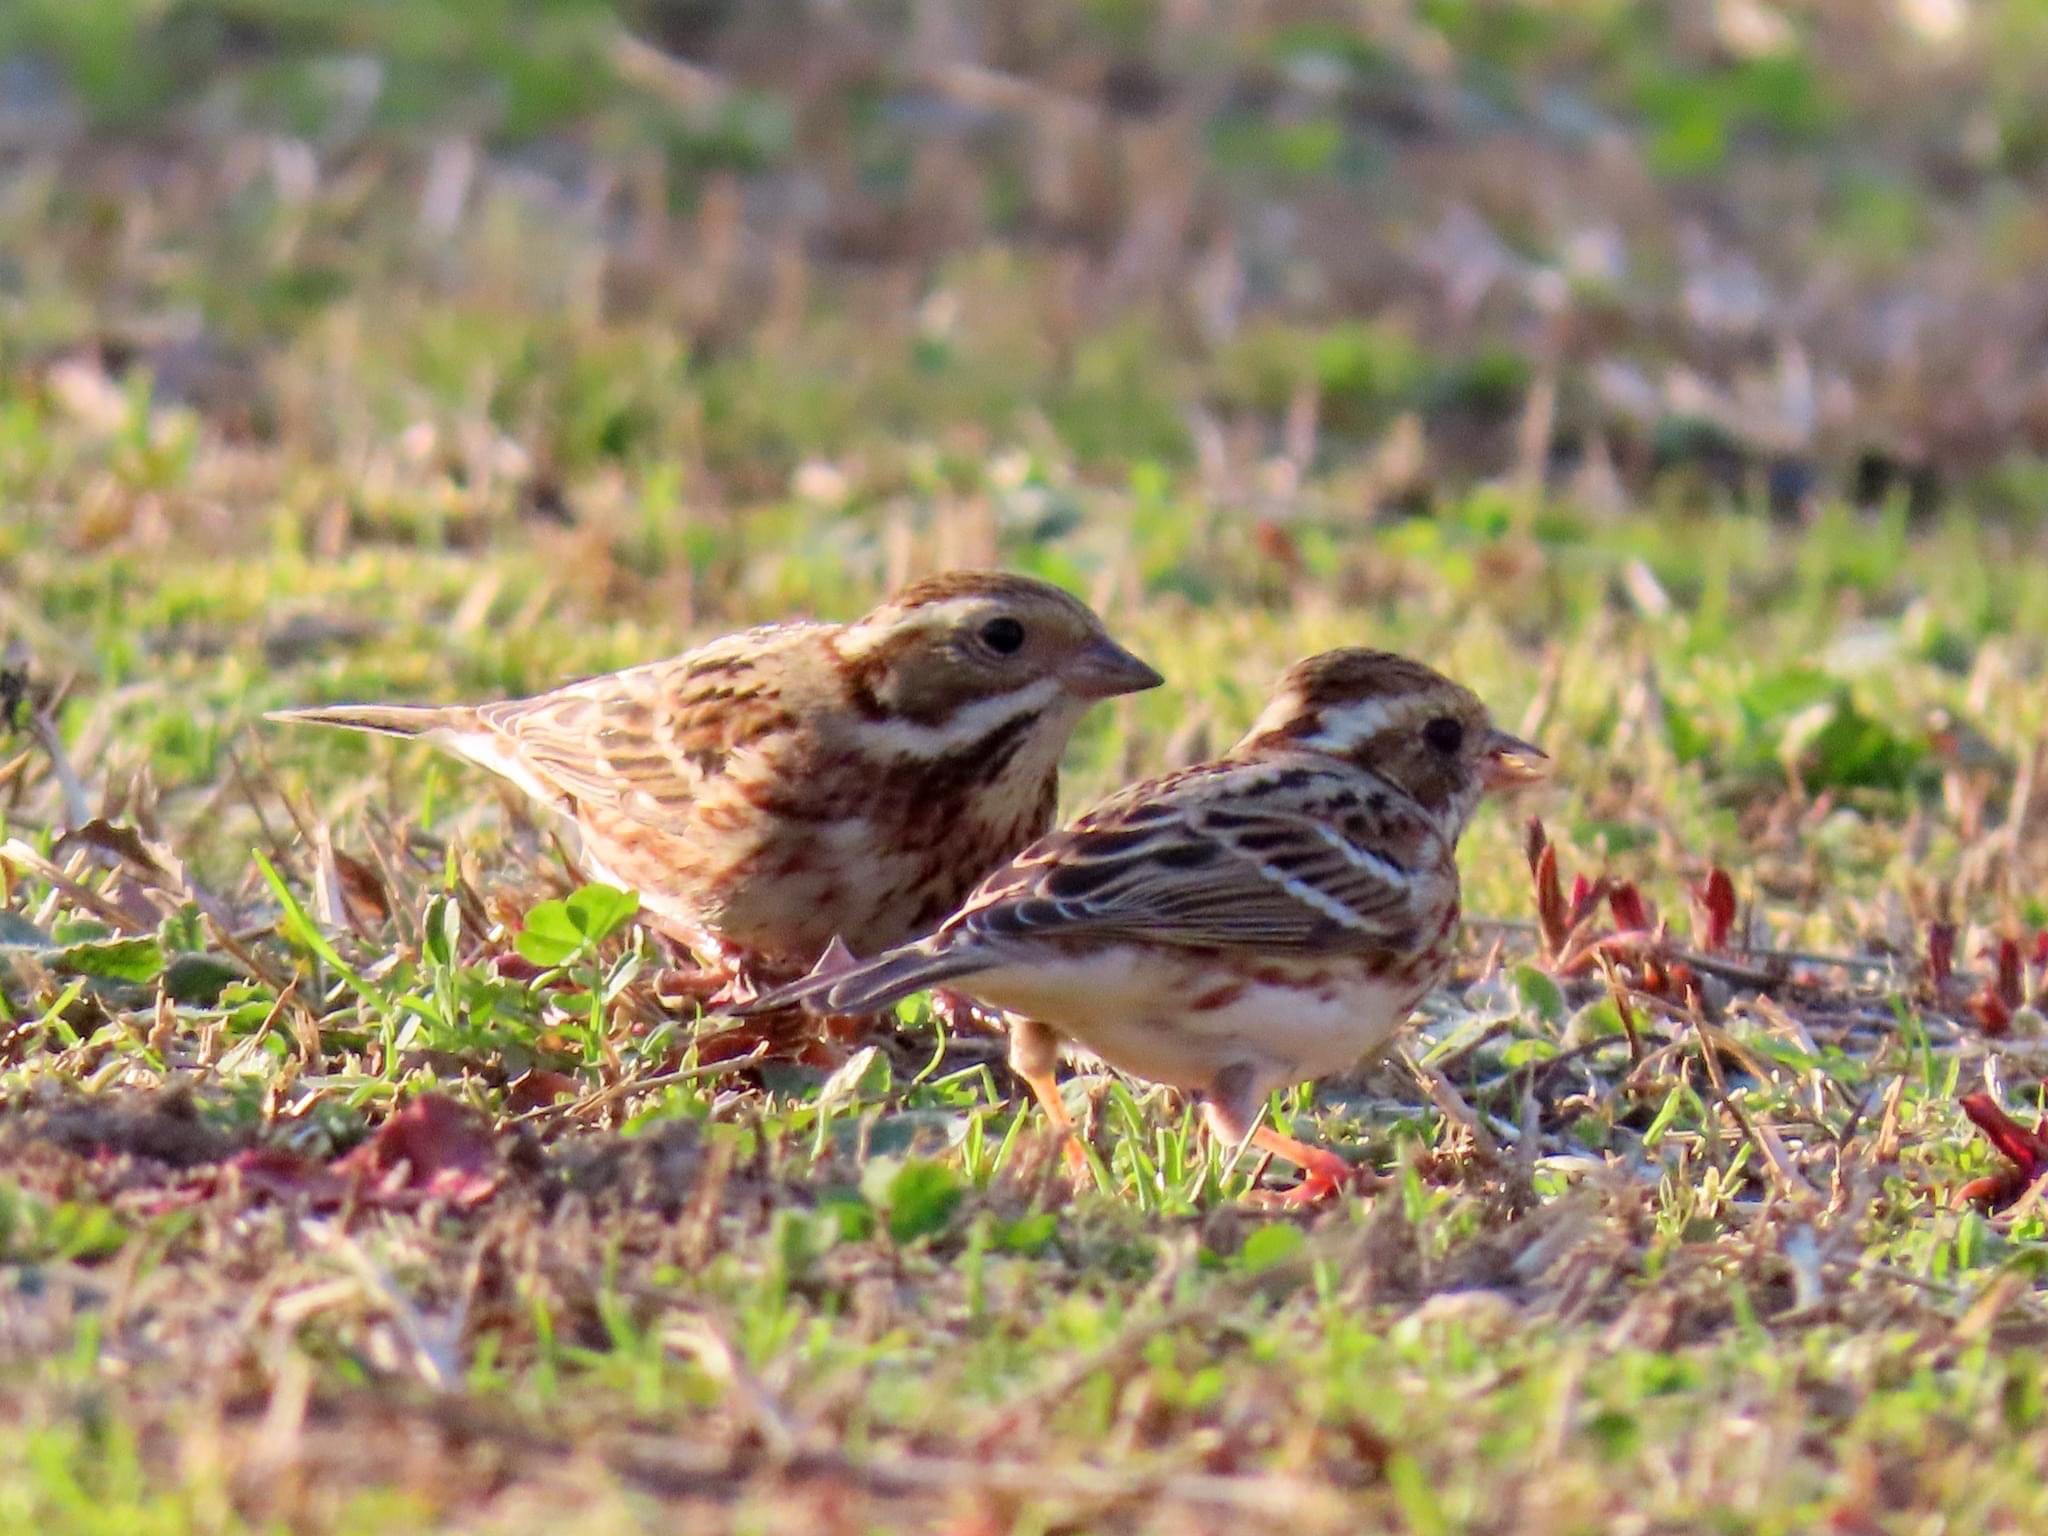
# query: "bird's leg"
1233,1108
1034,1052
1323,1172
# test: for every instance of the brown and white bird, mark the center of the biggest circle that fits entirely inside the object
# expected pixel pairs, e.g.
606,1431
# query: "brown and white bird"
779,787
1252,922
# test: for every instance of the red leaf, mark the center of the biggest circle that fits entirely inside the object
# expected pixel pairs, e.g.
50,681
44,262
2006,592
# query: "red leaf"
2013,1141
433,1149
1993,1017
2026,1150
1716,899
362,887
515,967
2012,984
676,986
2002,996
286,1175
1631,914
537,1089
1995,1191
1583,898
1941,953
1551,916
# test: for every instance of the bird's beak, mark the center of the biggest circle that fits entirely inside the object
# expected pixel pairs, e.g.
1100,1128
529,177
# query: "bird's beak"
1102,669
1509,762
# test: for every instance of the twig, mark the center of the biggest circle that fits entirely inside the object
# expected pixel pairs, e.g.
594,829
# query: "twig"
1451,1104
77,807
15,851
625,1085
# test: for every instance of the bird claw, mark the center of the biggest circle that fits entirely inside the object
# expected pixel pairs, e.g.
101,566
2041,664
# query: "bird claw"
1319,1181
676,985
710,987
740,989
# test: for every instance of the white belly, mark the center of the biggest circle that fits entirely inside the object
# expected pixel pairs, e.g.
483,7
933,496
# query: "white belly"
1182,1020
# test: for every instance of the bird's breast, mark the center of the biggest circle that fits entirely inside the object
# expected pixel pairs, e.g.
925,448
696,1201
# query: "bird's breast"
1181,1018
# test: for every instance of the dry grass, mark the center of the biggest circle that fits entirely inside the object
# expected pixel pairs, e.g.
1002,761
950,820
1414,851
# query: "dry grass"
360,357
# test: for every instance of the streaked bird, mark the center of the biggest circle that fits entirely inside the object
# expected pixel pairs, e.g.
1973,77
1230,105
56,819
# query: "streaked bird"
779,787
1243,925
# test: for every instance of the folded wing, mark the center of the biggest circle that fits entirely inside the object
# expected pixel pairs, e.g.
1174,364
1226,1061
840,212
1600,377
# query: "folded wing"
1282,858
644,742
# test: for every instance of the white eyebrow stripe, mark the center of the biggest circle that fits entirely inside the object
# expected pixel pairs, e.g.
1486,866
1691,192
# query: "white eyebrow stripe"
1342,726
1346,727
860,638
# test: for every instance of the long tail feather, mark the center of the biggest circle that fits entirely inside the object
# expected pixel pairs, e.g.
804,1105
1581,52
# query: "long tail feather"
874,985
385,719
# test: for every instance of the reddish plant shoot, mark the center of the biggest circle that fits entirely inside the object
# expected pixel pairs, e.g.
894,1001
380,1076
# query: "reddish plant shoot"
1714,898
2006,993
2026,1150
1941,954
1553,919
1631,912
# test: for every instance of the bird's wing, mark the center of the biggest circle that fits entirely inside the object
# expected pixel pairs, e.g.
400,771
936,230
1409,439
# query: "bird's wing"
646,741
1281,856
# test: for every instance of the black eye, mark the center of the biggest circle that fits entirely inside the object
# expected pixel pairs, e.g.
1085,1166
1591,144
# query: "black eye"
1003,636
1444,734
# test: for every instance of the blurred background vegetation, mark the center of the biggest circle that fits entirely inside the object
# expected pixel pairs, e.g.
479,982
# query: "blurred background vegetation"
423,348
1320,259
1675,373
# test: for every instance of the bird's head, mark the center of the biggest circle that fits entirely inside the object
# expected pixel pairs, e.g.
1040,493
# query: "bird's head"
1422,733
974,647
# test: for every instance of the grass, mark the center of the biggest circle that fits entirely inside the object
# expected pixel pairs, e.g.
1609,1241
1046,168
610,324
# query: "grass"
379,352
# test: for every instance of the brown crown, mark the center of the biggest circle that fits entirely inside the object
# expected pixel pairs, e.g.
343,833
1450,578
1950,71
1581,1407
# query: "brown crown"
948,585
1353,673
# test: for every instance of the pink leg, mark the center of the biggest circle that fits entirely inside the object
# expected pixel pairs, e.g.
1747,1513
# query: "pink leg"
1034,1052
1232,1109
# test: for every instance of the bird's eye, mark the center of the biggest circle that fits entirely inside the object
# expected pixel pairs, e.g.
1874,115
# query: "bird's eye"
1444,734
1003,636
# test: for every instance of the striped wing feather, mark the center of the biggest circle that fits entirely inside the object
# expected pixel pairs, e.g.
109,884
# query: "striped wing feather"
1286,858
644,742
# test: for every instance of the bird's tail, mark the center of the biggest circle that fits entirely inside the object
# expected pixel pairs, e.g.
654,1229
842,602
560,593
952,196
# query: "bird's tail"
385,719
871,985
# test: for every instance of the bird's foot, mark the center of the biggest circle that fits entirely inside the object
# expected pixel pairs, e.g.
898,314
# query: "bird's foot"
708,972
712,987
1323,1174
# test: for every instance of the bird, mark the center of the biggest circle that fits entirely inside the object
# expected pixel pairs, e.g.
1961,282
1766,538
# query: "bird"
796,782
1264,918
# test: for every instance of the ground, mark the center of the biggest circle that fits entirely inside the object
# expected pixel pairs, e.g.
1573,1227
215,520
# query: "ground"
1667,373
